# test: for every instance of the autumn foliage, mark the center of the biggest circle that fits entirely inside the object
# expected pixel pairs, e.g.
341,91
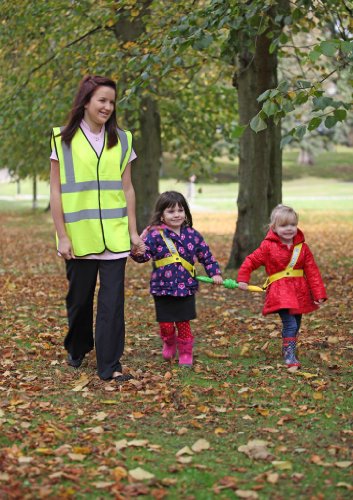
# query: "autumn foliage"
238,425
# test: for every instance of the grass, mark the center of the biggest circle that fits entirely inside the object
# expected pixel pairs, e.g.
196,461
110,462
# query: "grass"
303,194
337,163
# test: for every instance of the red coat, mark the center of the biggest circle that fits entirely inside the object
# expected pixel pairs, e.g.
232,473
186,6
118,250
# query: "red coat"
295,294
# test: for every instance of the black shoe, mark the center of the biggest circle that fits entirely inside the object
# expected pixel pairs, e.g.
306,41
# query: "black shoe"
76,363
122,378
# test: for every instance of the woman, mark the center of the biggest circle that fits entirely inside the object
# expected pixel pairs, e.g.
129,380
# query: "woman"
92,202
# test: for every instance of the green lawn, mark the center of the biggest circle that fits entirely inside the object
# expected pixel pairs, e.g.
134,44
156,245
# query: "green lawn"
303,194
336,163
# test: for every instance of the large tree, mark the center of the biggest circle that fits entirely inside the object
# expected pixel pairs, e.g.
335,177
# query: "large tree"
257,35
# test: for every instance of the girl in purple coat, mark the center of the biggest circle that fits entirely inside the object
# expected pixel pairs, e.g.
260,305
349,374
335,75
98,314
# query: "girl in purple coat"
173,245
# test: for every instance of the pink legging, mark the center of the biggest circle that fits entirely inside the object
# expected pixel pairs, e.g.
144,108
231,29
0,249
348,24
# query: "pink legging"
184,330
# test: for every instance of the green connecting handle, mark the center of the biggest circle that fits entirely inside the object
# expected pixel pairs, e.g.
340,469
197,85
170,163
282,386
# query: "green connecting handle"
231,284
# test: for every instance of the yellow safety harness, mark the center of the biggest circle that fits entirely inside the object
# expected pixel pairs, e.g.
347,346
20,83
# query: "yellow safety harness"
175,257
288,272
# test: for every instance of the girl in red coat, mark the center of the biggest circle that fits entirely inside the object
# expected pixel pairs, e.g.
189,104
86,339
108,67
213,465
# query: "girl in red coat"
294,285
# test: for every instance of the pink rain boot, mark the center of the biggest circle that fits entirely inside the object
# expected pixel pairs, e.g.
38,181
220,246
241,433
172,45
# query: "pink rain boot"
169,346
185,351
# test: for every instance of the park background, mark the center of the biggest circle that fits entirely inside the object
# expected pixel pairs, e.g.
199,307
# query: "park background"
237,425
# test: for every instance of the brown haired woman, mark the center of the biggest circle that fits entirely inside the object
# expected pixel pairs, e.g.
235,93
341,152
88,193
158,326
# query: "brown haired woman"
92,202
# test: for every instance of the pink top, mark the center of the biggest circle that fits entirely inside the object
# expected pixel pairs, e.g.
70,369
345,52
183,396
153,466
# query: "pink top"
97,143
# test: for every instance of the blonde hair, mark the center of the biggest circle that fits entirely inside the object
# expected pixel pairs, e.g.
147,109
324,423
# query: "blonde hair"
282,215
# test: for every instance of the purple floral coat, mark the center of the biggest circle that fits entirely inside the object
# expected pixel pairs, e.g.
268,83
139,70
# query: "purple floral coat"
173,279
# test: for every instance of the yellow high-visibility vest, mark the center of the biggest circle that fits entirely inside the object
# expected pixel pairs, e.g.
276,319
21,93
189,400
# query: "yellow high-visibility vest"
93,200
288,272
175,257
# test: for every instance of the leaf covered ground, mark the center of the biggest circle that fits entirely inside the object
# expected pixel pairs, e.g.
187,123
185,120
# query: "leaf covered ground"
238,425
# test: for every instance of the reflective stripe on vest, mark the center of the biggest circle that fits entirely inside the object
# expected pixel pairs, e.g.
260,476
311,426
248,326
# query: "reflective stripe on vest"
288,272
175,257
93,200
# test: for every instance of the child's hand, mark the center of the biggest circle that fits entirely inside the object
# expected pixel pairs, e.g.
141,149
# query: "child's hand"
138,246
242,285
217,279
319,302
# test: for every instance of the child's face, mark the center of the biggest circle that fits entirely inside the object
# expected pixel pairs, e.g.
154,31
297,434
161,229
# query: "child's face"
174,217
286,231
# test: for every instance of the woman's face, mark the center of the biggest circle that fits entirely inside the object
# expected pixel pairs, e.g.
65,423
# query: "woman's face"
100,108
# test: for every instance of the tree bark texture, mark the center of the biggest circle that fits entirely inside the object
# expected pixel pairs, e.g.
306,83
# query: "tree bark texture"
146,168
260,156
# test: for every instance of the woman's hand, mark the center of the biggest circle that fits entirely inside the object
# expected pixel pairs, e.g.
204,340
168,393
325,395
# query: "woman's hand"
217,279
138,245
243,285
65,248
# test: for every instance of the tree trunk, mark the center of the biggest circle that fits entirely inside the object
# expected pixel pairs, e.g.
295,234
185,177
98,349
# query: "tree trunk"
146,168
34,192
147,140
260,156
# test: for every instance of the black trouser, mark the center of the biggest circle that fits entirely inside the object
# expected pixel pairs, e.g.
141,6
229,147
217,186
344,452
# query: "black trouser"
110,323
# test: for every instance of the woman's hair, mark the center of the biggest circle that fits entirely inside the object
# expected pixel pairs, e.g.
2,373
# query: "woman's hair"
86,89
170,199
282,215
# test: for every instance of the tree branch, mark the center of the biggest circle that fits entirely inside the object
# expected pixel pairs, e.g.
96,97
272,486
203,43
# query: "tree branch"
53,56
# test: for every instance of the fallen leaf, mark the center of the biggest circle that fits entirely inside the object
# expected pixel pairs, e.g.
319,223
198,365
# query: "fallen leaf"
121,444
282,464
140,474
138,442
119,473
256,449
249,494
78,457
184,451
343,464
272,477
200,445
184,460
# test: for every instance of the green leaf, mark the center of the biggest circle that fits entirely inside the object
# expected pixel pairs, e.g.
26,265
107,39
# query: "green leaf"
322,102
300,132
301,98
347,47
270,108
283,86
314,123
340,114
315,54
304,84
273,46
328,48
238,131
203,43
264,95
274,92
283,38
257,124
330,121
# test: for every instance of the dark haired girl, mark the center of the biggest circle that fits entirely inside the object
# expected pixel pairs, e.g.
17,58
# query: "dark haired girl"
173,245
92,202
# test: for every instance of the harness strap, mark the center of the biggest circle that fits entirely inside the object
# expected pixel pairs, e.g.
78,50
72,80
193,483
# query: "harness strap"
175,257
288,272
